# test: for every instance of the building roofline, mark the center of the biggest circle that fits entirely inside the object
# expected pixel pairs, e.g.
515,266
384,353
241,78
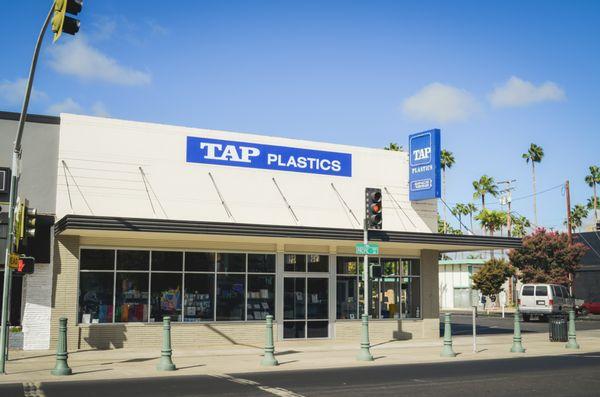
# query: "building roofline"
31,118
107,223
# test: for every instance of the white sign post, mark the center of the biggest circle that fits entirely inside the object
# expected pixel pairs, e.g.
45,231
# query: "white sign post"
502,296
474,304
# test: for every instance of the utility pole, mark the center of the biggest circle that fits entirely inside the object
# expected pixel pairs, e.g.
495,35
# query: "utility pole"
507,199
569,233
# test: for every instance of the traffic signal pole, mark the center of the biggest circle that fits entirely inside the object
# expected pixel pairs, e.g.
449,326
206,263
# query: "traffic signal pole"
14,187
366,269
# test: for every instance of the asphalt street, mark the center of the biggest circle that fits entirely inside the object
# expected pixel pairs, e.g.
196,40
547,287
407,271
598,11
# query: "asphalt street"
575,375
488,325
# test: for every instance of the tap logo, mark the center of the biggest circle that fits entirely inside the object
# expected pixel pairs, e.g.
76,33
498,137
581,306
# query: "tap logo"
254,155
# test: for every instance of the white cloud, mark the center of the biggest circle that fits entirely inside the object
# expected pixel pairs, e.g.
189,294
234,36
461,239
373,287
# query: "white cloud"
440,103
516,92
66,106
78,58
12,92
99,109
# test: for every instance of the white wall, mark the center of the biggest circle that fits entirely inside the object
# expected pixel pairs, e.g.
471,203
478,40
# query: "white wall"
104,155
36,313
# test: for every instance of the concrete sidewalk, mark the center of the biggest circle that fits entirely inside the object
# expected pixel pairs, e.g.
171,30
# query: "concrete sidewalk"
292,355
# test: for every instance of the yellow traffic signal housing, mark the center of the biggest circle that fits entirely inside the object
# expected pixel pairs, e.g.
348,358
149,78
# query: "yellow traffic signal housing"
61,22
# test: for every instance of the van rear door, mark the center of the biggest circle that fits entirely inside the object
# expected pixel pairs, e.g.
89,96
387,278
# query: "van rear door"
528,297
541,296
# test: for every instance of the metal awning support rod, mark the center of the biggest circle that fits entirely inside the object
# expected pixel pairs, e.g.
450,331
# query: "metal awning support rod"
399,206
147,192
68,188
221,197
345,204
286,202
66,168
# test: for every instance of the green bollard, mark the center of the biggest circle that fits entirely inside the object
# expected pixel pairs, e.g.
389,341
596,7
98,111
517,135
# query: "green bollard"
572,344
517,347
365,353
447,349
61,367
165,363
269,359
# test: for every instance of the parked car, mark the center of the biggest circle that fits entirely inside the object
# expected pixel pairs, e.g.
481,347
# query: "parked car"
590,306
541,300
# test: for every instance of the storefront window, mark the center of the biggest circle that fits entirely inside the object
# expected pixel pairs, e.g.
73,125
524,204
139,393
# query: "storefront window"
261,296
96,297
347,298
199,294
230,297
133,260
261,263
231,263
199,262
187,286
347,265
318,263
165,296
294,263
131,297
170,261
97,259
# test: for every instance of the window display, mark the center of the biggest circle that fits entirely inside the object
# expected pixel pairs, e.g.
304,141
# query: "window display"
261,296
294,263
131,297
96,297
165,297
230,297
199,293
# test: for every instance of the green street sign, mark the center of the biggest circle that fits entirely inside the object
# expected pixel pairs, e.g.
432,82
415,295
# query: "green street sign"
367,249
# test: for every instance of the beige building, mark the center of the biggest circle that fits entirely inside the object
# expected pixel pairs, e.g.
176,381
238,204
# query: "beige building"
218,229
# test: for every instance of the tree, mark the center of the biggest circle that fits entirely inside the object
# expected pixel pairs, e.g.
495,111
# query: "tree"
593,179
471,209
534,155
519,226
491,220
394,147
445,228
578,214
492,275
485,185
547,257
459,210
446,162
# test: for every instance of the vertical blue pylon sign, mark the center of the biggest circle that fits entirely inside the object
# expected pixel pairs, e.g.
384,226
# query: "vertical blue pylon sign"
424,165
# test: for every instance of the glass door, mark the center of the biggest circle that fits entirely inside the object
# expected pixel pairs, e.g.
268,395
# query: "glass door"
305,307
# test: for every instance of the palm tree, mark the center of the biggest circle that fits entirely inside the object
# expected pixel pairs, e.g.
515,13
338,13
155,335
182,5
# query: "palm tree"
578,214
491,220
470,209
447,161
519,225
393,146
485,185
592,180
459,210
534,154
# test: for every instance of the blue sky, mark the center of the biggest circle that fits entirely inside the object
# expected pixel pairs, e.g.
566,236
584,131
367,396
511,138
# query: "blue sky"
493,76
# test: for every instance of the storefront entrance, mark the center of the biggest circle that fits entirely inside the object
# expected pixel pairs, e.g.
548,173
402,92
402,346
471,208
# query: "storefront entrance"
305,307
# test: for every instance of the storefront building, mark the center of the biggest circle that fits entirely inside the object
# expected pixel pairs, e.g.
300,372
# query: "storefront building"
218,229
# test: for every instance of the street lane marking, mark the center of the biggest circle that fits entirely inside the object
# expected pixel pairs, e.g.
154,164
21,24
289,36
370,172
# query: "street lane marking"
33,389
277,391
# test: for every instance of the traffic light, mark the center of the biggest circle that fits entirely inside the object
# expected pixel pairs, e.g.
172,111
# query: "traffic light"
25,219
374,208
62,22
26,265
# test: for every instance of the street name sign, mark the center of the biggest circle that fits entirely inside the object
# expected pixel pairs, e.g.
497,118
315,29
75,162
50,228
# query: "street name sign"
367,249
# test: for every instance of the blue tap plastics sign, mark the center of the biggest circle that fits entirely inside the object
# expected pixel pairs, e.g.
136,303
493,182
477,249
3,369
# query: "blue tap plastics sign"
270,157
424,168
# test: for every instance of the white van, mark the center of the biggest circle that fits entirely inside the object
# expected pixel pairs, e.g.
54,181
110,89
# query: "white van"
540,300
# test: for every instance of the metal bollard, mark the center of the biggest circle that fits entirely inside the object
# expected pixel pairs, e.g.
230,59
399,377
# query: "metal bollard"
61,367
572,343
447,349
365,353
517,346
269,359
165,363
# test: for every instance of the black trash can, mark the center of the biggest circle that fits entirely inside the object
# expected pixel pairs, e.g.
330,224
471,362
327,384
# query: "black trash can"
558,328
